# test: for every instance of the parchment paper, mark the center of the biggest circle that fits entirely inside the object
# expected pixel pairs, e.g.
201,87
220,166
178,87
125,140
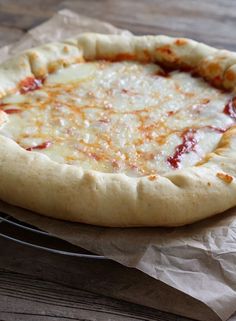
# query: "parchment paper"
199,260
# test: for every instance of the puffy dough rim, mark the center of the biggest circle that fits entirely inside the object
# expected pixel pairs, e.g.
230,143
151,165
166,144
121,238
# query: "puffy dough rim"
33,181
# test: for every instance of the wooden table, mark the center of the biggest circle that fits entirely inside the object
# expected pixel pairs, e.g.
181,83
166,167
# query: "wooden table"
24,292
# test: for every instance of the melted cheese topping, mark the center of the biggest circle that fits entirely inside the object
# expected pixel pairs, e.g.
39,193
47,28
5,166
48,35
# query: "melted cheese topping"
118,117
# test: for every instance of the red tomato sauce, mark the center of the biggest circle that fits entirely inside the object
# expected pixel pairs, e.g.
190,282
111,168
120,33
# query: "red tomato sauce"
187,146
41,146
29,84
230,108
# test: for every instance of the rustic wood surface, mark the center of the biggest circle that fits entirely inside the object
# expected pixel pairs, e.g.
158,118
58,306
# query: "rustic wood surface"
32,287
26,294
211,21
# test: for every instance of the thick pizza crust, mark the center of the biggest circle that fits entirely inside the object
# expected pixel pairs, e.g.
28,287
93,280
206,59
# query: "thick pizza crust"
33,181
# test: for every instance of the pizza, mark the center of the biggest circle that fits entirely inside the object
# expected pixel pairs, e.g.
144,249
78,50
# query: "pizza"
119,130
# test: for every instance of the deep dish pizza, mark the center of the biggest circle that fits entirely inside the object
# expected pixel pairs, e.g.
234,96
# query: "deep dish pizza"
119,130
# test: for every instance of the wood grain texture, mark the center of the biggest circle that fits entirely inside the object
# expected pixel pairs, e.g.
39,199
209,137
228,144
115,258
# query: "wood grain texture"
209,21
13,34
50,301
103,278
36,290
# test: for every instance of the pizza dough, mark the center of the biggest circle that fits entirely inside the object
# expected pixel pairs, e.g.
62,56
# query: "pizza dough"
119,130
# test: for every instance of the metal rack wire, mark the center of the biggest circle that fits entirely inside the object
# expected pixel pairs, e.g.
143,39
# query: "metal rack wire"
12,229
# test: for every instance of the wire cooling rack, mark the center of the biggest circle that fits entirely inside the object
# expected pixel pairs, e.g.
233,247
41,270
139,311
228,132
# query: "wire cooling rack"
29,235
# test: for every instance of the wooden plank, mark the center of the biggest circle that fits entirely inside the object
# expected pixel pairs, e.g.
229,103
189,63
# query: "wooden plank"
25,14
209,21
9,35
47,300
36,8
26,297
21,21
105,278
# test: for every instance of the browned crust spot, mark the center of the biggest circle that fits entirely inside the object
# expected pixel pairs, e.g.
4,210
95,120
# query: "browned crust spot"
165,50
230,75
146,56
168,54
66,49
225,177
214,68
216,81
152,177
181,42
